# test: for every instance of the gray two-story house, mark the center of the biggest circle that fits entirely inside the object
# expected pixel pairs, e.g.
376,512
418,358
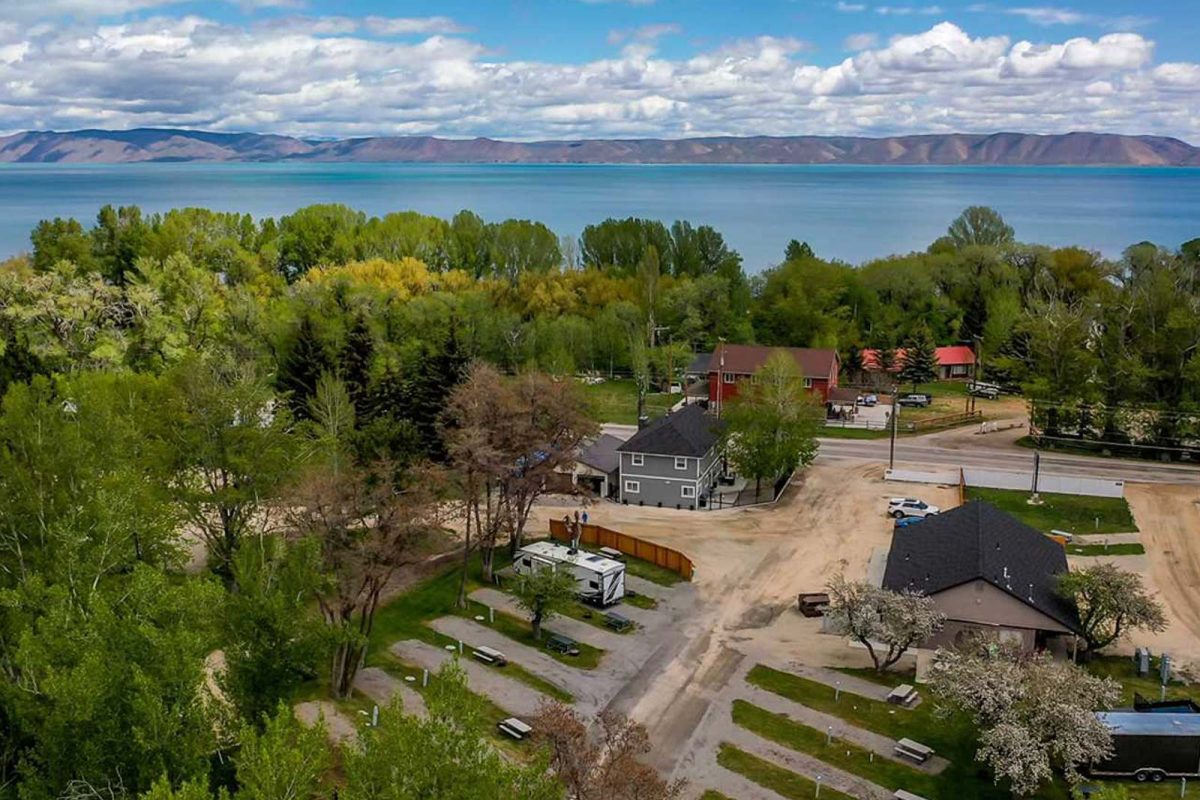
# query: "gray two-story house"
673,461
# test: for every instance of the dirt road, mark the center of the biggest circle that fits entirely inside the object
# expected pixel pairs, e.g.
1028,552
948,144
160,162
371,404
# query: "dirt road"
750,564
1169,519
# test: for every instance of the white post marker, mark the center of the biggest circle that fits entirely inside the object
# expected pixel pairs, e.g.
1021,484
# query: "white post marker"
375,717
460,647
424,677
818,792
837,691
829,734
491,615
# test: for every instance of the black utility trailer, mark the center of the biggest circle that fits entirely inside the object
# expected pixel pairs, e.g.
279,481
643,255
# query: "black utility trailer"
1151,745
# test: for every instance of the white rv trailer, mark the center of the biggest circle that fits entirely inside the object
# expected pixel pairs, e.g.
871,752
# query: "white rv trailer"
601,580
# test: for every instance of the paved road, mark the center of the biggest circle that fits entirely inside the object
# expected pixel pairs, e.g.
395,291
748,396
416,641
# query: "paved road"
928,451
916,453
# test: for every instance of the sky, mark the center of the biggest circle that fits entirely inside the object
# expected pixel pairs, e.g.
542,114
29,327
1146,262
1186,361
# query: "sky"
539,69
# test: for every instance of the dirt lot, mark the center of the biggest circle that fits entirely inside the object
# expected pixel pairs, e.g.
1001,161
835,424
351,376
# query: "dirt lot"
1169,519
750,564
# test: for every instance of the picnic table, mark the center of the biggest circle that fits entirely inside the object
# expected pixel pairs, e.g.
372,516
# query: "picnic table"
903,695
618,623
913,750
562,644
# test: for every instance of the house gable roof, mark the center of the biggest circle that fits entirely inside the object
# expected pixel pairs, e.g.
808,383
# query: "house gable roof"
979,541
745,359
687,432
601,453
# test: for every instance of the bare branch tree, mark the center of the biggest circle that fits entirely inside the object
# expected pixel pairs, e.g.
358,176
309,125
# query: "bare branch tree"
366,529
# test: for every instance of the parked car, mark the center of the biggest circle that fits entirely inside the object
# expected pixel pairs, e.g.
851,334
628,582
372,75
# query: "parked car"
899,507
914,400
989,391
904,522
868,400
675,388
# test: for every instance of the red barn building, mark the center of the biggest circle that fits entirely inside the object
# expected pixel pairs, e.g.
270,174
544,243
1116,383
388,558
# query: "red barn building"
733,363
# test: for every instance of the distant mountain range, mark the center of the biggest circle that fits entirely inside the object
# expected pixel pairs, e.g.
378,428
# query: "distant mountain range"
1016,149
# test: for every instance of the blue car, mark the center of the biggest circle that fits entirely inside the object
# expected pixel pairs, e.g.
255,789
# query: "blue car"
904,522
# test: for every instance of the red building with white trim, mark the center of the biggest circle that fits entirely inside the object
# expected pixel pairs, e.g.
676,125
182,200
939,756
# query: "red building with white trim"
733,363
954,361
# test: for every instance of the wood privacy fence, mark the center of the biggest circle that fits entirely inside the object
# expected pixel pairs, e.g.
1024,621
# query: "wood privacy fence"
595,535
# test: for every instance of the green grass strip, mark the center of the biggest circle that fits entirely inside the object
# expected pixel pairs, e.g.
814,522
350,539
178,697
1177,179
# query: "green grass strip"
1128,549
844,755
772,776
1064,512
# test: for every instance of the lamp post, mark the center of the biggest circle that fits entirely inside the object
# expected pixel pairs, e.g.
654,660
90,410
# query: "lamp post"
895,422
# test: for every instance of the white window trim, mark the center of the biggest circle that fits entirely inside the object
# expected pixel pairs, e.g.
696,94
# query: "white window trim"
633,487
637,459
808,383
688,492
679,459
729,377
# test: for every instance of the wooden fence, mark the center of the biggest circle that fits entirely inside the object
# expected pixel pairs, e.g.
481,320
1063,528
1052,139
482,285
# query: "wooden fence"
597,536
936,423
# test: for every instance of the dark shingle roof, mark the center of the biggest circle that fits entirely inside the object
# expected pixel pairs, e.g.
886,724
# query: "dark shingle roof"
699,365
980,541
687,432
601,453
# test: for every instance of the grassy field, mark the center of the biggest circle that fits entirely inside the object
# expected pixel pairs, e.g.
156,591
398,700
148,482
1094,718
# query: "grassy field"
840,753
713,794
1066,512
953,737
772,776
1130,549
520,631
640,601
615,401
407,617
834,432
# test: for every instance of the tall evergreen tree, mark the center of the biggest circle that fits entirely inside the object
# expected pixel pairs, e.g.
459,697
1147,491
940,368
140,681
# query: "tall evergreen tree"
302,368
920,358
358,352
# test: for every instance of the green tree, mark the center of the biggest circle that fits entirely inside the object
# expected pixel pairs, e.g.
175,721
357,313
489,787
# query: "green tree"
318,235
519,246
300,370
1111,602
980,225
284,760
920,363
797,251
772,425
544,594
61,240
270,643
407,758
232,452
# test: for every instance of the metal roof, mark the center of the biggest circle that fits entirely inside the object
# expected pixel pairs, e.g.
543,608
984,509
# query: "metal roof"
1136,723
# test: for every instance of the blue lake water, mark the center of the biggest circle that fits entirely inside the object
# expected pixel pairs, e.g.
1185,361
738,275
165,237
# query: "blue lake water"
847,212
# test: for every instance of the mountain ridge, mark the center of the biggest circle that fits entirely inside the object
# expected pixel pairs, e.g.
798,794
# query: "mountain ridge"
140,145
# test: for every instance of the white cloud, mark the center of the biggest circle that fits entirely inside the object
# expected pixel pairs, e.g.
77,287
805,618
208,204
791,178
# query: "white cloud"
904,11
1047,15
646,33
860,41
333,76
399,26
850,8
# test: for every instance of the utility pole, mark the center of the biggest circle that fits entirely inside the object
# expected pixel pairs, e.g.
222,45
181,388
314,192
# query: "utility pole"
895,423
720,373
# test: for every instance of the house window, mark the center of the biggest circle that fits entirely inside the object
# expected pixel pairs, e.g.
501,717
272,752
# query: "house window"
681,462
637,459
729,377
633,487
808,383
688,492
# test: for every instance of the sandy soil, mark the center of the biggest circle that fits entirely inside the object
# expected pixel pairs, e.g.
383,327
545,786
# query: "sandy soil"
750,564
1169,519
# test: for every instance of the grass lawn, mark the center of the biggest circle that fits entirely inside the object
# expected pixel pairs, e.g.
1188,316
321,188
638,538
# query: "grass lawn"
840,753
520,631
713,794
640,601
772,776
1120,669
615,400
407,616
834,432
1066,512
1132,549
953,738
